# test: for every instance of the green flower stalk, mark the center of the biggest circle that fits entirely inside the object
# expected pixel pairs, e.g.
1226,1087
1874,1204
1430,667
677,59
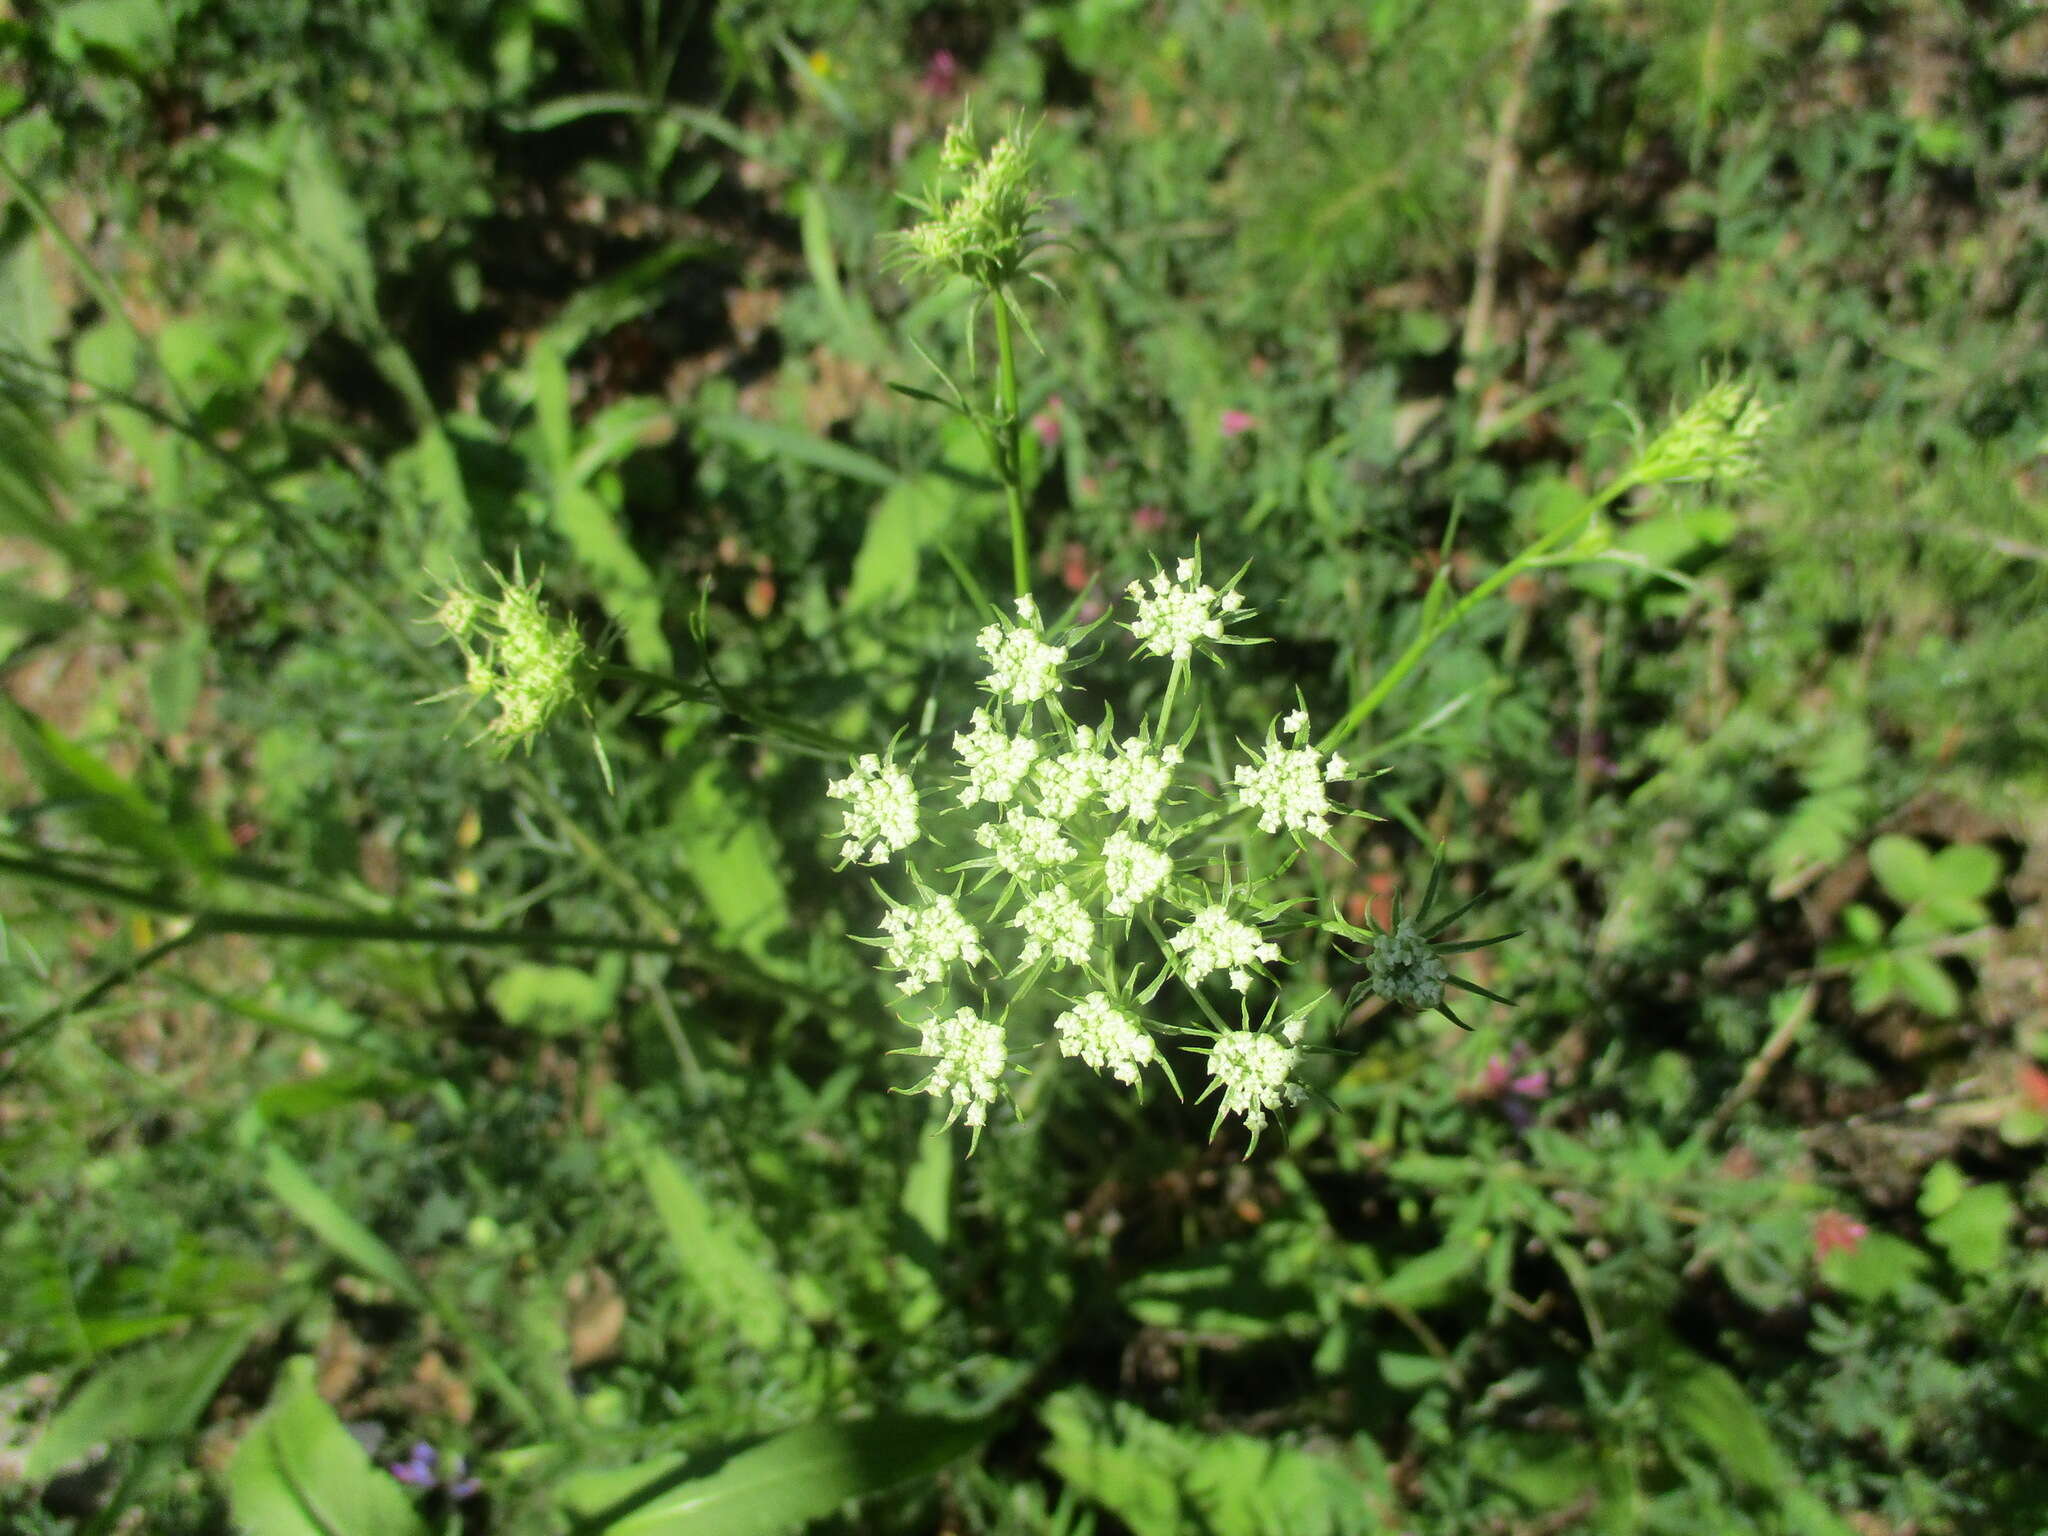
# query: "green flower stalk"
980,222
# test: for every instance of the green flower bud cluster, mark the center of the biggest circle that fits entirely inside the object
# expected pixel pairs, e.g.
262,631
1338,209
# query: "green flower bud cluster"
529,663
987,229
1403,969
1718,437
1059,875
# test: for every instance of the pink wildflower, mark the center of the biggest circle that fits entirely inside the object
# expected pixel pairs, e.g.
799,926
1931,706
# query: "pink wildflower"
1047,423
1835,1233
941,73
1235,423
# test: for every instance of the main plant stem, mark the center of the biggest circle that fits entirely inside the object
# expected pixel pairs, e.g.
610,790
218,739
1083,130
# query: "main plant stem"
1011,462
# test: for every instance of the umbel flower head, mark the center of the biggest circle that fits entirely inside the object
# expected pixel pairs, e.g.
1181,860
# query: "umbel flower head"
1254,1071
516,654
1285,786
1091,865
1180,615
1717,437
1105,1037
1213,940
968,1054
924,940
1022,667
987,227
881,810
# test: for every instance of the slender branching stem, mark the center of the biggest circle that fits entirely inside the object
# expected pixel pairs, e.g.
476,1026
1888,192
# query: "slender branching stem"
1009,460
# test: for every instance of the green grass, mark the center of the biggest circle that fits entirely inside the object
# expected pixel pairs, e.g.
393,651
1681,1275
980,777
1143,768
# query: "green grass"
358,1084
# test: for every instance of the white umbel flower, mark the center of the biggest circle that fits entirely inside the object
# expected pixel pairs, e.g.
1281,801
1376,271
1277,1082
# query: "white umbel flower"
1134,777
1285,785
1025,844
1213,940
1055,925
924,940
881,810
1132,871
996,762
1065,782
1256,1073
1022,667
970,1055
1179,613
1105,1038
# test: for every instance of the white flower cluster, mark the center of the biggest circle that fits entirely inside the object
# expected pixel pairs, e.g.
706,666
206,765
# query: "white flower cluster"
1213,940
881,810
1055,924
1022,667
968,1057
1132,871
1256,1072
1065,782
1025,844
924,940
1179,614
1134,777
1285,785
996,761
1088,838
1105,1038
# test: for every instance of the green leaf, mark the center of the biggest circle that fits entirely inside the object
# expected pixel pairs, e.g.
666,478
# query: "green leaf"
1409,1372
1903,867
557,999
1926,984
1974,1231
1942,1187
1880,1268
774,441
23,613
299,1473
156,1392
1545,1471
911,517
109,806
323,1215
733,857
1709,1405
136,35
780,1484
1876,981
175,678
1430,1279
1966,870
719,1251
1164,1481
330,233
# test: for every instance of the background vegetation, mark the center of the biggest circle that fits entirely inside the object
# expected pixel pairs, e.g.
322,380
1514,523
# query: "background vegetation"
358,1089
